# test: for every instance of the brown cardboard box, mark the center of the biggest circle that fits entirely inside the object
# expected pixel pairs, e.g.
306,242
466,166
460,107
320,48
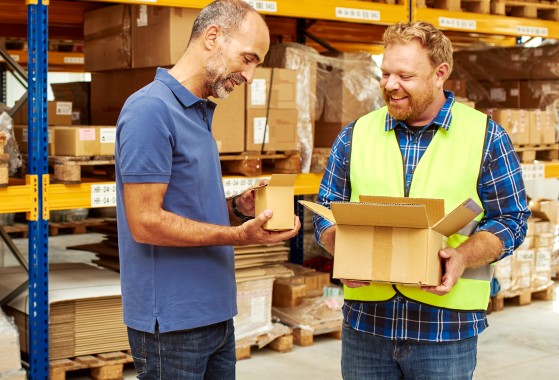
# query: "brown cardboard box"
284,89
278,197
539,93
505,94
325,133
107,38
106,137
76,141
59,113
228,125
457,86
107,98
392,239
542,127
281,133
20,134
254,301
548,207
516,122
160,34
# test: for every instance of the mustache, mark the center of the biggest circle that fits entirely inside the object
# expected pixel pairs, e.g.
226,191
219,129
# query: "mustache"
237,78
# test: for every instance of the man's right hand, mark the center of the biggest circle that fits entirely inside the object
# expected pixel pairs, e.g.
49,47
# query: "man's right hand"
252,231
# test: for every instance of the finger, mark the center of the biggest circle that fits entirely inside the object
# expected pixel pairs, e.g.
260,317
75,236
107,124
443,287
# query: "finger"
264,216
444,254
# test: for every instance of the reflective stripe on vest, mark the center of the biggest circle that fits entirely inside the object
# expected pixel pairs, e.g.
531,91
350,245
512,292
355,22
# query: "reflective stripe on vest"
376,168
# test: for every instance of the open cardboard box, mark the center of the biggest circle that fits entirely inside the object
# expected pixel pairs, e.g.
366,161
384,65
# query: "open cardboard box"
278,196
391,239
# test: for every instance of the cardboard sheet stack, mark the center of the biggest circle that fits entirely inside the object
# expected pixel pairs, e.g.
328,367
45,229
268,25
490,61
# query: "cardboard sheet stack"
85,314
10,361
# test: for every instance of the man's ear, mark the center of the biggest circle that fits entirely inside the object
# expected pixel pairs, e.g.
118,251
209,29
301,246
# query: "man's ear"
211,35
442,73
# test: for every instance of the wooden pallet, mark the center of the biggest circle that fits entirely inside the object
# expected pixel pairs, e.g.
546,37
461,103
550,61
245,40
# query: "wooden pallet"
251,164
17,230
279,338
526,9
475,6
522,298
68,170
541,152
305,337
56,228
107,366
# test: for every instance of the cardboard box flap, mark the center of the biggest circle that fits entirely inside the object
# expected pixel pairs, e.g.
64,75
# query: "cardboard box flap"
458,218
385,215
325,212
540,215
282,180
434,207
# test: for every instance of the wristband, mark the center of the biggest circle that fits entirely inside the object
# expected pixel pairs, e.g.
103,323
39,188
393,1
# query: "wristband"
236,210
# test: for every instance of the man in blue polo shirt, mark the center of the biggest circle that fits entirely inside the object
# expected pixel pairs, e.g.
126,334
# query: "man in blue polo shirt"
174,223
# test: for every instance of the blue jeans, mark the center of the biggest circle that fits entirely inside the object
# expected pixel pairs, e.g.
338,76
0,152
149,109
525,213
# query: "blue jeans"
204,353
367,357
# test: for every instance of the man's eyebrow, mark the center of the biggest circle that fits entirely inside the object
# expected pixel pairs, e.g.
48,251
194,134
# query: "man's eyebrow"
253,54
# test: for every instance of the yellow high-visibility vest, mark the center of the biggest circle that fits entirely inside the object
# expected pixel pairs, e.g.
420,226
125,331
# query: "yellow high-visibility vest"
449,169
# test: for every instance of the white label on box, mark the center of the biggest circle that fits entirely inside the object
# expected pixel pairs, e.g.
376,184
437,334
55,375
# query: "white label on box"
107,135
87,134
103,195
457,23
142,19
264,6
74,60
358,14
531,31
498,94
514,92
64,108
260,131
526,255
258,92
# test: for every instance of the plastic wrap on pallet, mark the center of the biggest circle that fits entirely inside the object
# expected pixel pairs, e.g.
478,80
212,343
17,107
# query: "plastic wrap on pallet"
541,276
10,360
254,303
303,59
11,148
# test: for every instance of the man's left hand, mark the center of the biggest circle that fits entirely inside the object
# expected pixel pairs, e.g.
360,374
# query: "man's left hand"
453,267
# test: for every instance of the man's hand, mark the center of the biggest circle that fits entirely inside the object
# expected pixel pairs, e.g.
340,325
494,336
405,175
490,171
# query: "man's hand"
245,202
453,266
354,283
251,232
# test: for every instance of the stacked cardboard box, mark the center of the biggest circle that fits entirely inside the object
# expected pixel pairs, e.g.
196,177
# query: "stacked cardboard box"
526,127
254,303
85,310
10,361
78,94
59,113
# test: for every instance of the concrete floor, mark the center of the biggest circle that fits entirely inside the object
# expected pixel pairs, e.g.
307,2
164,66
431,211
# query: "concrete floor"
522,342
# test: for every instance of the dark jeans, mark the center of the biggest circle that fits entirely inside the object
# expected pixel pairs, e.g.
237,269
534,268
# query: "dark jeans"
368,357
205,353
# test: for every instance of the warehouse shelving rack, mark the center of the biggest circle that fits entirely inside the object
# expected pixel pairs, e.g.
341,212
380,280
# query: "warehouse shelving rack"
37,197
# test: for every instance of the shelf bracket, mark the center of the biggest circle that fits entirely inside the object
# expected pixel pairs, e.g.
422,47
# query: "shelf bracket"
46,188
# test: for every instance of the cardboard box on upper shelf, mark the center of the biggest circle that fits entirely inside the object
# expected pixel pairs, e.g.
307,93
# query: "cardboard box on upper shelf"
228,125
391,239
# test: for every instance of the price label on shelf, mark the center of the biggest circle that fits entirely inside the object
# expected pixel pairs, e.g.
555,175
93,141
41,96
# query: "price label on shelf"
457,23
74,60
234,186
264,6
103,195
524,30
357,14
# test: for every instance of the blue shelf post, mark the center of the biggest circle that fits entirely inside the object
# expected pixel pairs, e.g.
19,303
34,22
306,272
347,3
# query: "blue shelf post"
37,67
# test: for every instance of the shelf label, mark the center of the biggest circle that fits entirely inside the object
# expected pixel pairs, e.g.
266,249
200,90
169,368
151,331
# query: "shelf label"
74,60
103,195
457,23
264,6
524,30
234,186
358,14
531,172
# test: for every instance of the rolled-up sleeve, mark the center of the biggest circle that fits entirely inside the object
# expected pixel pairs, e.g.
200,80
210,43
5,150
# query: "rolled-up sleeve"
502,191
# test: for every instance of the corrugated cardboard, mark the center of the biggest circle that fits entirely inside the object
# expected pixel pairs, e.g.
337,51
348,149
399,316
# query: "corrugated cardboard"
107,99
542,127
228,125
76,141
278,197
516,122
106,137
505,94
284,89
107,38
281,133
59,113
160,34
21,136
394,240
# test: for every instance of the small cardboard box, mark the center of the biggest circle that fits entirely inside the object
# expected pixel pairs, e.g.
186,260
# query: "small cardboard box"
283,93
277,196
21,135
390,239
106,137
76,141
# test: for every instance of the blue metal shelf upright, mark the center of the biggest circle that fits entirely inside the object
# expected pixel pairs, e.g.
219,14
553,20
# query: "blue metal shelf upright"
37,67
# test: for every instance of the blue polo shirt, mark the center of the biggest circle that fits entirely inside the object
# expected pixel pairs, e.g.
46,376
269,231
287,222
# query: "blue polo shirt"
164,136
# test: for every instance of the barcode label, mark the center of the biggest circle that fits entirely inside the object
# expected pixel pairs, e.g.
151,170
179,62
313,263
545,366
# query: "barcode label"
457,23
358,14
264,6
